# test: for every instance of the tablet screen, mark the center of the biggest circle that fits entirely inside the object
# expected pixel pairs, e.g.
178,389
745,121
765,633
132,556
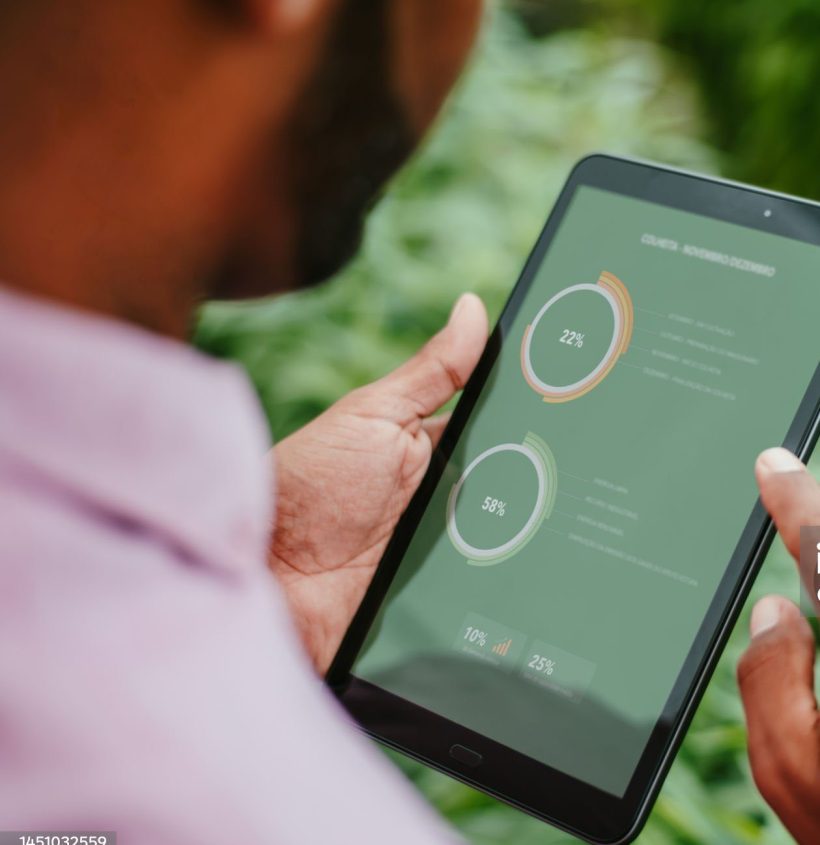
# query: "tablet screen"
570,551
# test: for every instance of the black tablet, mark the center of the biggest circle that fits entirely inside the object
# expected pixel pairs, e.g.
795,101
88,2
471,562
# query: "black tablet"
556,595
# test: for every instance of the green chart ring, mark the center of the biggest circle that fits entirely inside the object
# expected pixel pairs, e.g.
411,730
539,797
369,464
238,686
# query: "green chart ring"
543,461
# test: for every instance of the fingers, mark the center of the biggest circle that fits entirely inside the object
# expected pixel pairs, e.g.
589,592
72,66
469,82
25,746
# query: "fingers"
434,427
441,368
776,677
789,493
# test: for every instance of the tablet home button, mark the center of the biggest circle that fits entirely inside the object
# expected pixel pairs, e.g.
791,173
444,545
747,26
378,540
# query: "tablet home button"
465,755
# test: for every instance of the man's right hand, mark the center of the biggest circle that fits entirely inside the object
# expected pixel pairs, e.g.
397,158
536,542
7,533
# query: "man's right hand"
776,674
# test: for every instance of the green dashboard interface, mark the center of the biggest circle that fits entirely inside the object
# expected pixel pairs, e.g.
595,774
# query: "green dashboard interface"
570,551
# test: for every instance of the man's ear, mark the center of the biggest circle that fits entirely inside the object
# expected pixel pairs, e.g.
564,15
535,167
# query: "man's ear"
287,17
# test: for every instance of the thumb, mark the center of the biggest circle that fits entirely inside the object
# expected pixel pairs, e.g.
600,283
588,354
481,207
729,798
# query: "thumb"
443,365
789,493
776,678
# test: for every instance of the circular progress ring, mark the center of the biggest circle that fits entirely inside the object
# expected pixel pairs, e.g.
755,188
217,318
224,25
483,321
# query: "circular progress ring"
613,290
539,454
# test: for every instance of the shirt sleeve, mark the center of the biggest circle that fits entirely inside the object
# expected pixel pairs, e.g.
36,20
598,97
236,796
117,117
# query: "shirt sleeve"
168,701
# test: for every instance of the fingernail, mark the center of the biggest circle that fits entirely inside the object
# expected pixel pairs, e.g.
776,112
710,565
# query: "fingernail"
779,460
457,307
765,615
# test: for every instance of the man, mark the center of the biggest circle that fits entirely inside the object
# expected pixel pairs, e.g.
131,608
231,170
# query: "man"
153,153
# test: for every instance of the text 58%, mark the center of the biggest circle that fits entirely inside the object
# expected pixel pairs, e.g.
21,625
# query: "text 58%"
495,506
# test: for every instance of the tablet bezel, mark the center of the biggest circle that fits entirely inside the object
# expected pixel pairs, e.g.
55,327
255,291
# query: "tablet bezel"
534,787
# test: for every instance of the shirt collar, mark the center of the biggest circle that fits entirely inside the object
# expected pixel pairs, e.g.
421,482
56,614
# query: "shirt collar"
141,427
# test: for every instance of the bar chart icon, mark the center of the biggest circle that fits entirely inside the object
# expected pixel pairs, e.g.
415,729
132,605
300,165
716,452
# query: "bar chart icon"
491,641
503,647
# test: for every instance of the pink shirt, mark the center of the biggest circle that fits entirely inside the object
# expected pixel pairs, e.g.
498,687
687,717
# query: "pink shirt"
150,680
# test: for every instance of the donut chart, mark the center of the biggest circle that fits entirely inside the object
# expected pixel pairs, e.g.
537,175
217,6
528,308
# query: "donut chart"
501,499
576,338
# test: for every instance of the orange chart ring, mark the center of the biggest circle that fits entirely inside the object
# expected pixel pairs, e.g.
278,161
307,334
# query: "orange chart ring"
617,296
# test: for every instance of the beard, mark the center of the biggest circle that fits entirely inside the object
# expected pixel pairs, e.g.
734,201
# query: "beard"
349,136
346,137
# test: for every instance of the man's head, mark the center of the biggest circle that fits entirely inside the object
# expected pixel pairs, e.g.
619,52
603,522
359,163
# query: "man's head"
155,151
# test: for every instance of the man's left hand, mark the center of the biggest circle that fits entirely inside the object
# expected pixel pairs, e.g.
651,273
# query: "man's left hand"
344,479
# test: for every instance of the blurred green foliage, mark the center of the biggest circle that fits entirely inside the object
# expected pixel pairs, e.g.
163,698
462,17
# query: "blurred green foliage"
731,91
756,64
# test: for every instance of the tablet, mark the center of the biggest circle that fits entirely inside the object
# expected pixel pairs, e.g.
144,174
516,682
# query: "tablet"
554,599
